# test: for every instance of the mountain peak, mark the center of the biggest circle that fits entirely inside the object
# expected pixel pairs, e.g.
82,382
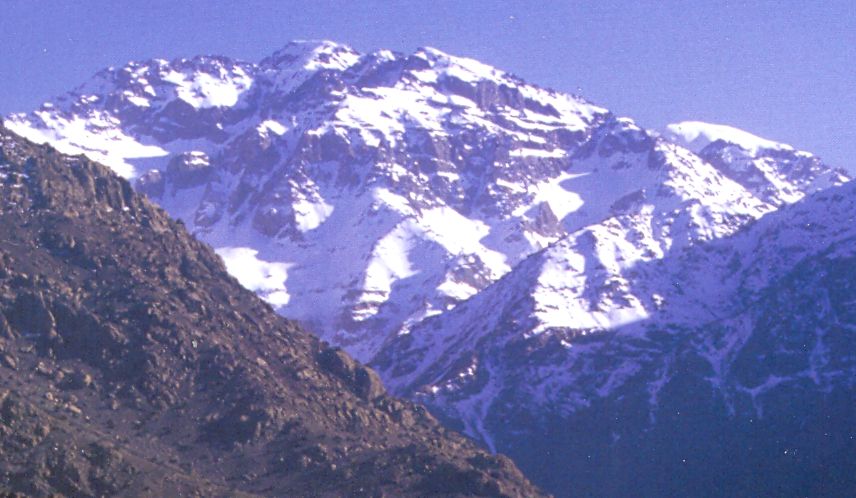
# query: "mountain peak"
462,67
313,55
696,135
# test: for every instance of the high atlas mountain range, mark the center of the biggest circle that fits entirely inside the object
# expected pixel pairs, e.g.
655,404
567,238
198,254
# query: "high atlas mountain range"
553,280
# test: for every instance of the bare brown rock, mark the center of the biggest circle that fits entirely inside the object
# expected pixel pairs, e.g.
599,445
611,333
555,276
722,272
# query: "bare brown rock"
132,364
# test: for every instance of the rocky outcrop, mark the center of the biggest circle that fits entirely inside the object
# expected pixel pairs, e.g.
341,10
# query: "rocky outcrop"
132,364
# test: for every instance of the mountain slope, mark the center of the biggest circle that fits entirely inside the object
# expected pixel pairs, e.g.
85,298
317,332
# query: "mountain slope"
132,364
360,193
723,368
773,172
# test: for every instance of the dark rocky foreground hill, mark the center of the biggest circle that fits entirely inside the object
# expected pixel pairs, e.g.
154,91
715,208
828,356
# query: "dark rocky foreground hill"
132,364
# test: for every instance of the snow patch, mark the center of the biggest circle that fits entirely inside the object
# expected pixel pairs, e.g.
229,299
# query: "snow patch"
265,278
97,135
552,154
309,215
271,126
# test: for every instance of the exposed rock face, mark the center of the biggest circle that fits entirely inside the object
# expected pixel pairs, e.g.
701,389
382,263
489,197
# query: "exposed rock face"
132,364
363,381
189,169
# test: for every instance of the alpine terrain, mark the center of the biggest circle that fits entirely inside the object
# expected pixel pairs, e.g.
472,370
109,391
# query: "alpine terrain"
619,309
723,369
132,364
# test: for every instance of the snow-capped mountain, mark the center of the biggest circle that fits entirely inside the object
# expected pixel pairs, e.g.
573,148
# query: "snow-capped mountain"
360,193
734,352
369,195
597,279
773,172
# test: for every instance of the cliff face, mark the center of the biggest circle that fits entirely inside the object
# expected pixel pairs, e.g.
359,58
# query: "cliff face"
131,363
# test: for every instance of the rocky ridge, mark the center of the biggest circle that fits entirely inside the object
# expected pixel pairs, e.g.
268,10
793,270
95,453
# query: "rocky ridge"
132,364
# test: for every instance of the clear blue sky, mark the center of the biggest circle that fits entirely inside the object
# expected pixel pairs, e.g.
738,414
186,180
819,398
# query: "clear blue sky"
782,69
